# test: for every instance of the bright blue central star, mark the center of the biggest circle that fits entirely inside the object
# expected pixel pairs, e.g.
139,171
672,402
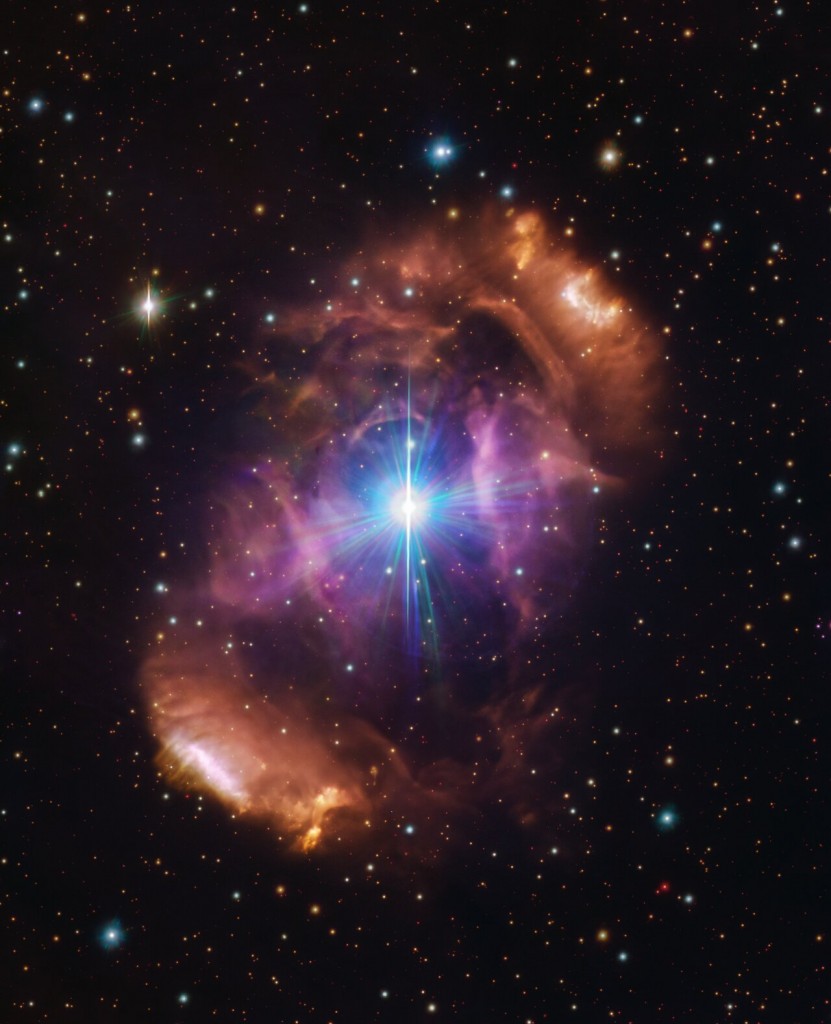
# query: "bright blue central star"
409,507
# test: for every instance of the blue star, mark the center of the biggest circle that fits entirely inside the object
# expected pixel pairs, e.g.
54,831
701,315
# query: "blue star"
667,819
111,935
441,153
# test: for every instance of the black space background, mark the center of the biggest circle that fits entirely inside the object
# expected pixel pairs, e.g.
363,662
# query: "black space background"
327,127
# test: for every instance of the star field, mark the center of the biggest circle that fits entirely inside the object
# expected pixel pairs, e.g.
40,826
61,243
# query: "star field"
413,449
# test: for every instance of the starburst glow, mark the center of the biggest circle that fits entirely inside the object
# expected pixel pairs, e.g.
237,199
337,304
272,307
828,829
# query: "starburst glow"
415,514
149,305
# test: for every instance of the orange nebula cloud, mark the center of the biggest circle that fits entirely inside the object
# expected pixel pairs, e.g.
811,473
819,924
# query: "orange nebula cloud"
524,385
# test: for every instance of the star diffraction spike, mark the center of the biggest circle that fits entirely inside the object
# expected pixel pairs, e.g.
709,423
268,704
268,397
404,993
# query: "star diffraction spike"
409,506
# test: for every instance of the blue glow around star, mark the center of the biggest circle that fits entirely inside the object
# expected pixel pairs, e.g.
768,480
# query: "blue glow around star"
112,935
441,153
408,509
666,819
